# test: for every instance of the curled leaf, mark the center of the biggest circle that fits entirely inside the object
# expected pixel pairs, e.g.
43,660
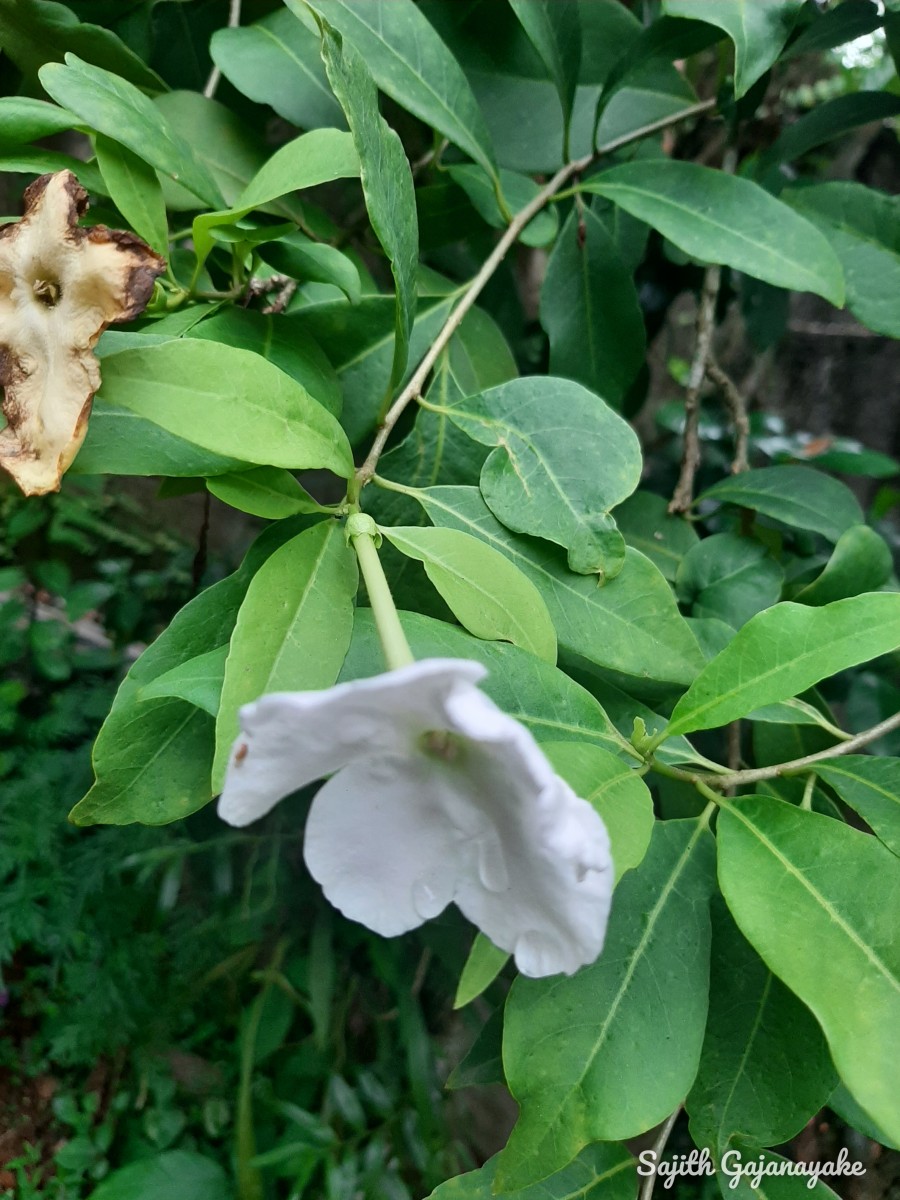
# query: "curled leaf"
60,286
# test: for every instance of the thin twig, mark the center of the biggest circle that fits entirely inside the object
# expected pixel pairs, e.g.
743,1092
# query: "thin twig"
413,389
658,1147
234,19
683,496
738,409
796,766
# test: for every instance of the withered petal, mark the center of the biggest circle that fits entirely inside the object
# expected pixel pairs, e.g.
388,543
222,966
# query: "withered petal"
60,286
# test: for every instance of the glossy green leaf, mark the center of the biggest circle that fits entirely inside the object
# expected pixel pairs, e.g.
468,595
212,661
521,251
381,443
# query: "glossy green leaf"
618,794
818,901
721,218
605,1171
529,481
626,625
549,703
119,442
293,628
861,562
229,401
729,577
301,258
518,190
758,28
26,160
765,1069
34,32
831,120
796,496
484,964
411,64
871,787
785,650
276,61
198,681
269,492
554,28
386,182
568,1045
114,107
646,525
487,593
23,119
590,310
862,226
135,190
174,1175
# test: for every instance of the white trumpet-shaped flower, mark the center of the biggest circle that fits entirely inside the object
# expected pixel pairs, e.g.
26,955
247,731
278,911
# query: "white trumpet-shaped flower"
435,795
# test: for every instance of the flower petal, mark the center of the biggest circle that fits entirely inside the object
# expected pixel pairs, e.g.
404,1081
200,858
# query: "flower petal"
381,841
290,739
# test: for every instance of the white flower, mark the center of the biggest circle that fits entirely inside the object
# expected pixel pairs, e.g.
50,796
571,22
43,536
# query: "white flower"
435,795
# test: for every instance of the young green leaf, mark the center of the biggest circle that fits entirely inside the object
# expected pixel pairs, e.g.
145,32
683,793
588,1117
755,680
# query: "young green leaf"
568,1045
301,258
604,1171
765,1069
293,628
785,650
818,900
229,401
871,787
590,310
861,562
269,492
554,28
797,496
114,107
484,964
619,795
487,593
386,181
412,65
198,681
531,482
631,625
758,28
135,190
720,218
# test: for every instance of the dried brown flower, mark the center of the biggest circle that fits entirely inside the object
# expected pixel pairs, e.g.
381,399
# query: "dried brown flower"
60,286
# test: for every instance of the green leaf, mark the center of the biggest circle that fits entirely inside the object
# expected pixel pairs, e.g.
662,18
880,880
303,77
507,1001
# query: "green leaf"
293,628
847,22
482,1064
605,1171
720,218
542,697
619,795
785,650
569,1043
319,156
198,681
796,496
871,787
861,562
630,625
646,525
765,1069
114,107
842,1103
590,310
730,578
554,28
276,61
303,259
518,190
386,181
528,481
758,28
830,120
25,120
135,190
175,1175
269,492
862,226
776,1185
229,401
34,32
26,160
119,442
487,593
411,64
484,964
818,900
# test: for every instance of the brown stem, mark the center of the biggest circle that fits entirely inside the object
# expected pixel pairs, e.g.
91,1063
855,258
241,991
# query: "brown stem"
683,496
738,409
413,389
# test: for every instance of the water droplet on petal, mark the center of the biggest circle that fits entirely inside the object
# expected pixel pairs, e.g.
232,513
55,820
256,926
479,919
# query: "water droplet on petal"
426,901
538,954
492,865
